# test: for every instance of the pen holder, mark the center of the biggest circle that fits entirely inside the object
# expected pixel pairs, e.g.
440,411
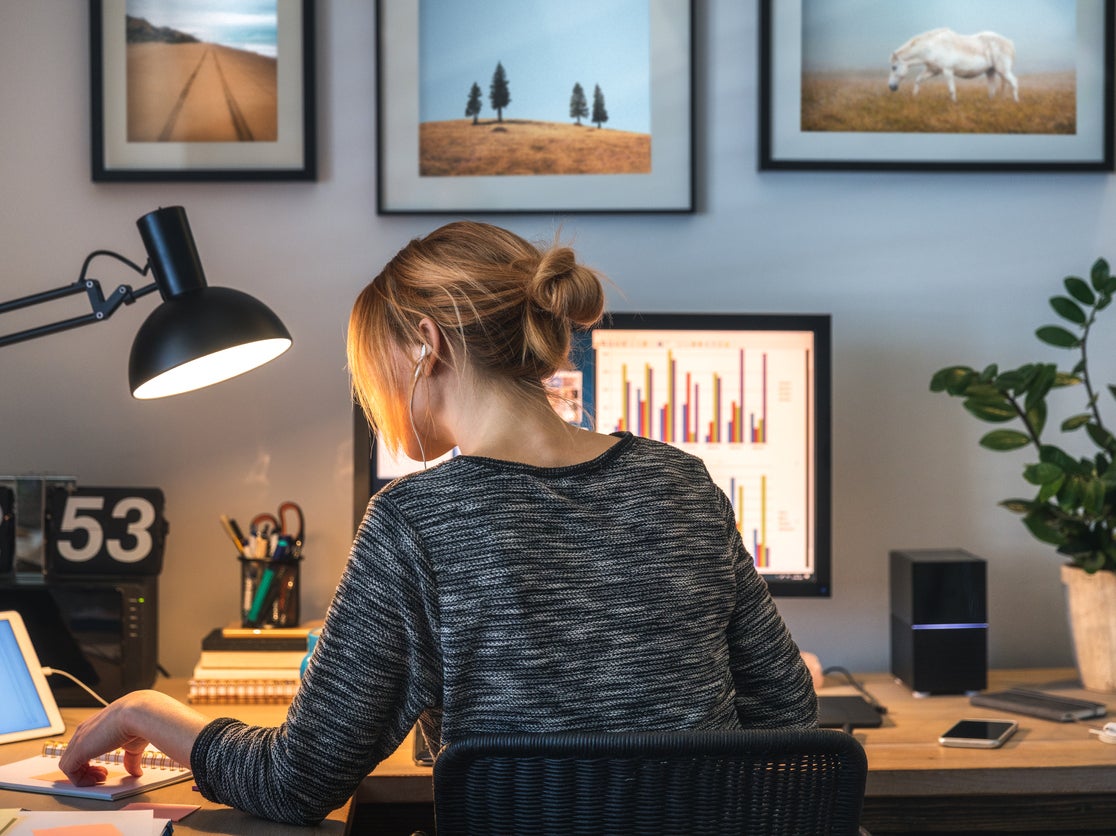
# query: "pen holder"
269,592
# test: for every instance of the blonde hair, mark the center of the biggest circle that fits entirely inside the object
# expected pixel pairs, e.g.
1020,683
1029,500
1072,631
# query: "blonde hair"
502,304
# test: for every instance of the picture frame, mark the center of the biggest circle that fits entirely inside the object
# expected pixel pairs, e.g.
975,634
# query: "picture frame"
536,156
182,93
829,98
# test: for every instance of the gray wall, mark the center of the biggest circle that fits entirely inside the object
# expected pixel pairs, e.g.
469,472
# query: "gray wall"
919,270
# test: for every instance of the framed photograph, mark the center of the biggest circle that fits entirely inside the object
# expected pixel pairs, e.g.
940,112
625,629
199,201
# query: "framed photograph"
529,106
1013,85
213,90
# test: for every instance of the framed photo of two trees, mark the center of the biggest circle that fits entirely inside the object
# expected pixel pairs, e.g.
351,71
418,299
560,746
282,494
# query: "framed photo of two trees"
535,106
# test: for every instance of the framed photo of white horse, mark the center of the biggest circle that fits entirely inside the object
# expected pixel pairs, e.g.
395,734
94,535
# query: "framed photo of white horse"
534,106
955,85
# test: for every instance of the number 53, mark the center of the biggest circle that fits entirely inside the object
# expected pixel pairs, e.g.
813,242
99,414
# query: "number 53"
107,529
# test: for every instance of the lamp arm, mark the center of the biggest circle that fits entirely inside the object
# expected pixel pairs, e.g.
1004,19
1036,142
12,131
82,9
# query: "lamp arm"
102,308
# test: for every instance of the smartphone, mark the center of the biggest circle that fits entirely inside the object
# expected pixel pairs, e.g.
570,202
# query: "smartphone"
979,734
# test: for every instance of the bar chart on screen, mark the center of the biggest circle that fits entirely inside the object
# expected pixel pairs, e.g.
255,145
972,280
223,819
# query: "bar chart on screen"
739,400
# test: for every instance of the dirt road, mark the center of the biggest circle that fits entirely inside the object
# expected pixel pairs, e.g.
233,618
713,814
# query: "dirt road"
200,93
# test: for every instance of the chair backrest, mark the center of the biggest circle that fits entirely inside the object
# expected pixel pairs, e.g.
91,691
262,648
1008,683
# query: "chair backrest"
791,781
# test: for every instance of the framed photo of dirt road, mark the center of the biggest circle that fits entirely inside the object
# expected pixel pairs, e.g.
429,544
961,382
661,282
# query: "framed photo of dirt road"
534,106
956,85
218,90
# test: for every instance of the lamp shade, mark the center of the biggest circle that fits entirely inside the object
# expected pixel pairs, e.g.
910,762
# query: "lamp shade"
200,338
200,335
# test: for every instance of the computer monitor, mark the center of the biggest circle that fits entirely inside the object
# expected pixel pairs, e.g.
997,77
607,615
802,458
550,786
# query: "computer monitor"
749,394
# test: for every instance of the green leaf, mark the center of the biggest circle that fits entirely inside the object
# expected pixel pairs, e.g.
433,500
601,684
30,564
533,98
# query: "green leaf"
1018,506
1079,290
989,373
1041,385
1101,437
1099,275
1036,417
1092,498
1112,390
1042,531
952,379
1069,495
1042,473
1005,440
1053,455
1076,421
1050,490
976,389
1057,337
1067,309
994,410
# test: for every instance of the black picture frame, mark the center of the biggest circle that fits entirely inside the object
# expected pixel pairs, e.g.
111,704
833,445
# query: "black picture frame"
152,137
825,99
411,179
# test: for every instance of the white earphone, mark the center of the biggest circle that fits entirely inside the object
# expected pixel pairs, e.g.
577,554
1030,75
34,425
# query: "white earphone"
1107,734
422,356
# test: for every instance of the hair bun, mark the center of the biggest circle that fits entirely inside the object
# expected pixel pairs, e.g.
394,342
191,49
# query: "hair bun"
565,289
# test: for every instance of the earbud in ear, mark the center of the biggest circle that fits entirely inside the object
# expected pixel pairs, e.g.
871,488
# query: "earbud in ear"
422,355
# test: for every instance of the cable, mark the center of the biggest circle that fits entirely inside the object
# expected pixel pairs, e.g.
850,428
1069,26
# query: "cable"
871,700
54,671
411,412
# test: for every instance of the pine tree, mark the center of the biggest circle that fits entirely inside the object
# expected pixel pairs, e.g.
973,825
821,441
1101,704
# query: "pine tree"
600,115
498,92
473,106
579,106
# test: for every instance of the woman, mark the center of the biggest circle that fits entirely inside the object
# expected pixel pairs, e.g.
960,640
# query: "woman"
547,578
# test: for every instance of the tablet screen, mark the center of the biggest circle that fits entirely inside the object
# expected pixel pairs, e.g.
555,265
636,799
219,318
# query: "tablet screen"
29,709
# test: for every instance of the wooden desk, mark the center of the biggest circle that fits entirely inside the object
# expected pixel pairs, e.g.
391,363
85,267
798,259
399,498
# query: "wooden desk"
1052,778
210,819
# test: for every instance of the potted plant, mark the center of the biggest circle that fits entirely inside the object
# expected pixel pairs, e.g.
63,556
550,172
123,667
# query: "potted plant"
1074,507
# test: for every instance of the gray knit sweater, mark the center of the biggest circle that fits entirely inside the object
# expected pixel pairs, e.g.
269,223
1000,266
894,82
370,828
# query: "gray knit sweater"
490,596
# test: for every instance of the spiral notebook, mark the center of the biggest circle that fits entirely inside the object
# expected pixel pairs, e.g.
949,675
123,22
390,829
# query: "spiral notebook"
41,774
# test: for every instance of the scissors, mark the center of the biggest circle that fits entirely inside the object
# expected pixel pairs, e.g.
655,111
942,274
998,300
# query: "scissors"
290,539
272,529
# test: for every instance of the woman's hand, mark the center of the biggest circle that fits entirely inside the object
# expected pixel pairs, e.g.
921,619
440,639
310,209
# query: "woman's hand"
130,723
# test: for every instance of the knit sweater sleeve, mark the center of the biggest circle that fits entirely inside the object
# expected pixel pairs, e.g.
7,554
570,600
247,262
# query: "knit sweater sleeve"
773,685
375,669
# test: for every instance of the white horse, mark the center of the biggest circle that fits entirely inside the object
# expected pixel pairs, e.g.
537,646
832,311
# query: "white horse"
944,52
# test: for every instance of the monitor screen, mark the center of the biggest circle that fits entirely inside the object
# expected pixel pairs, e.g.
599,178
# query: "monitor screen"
749,394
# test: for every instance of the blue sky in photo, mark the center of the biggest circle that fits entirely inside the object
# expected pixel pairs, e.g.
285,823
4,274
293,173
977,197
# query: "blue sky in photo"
545,48
861,34
242,24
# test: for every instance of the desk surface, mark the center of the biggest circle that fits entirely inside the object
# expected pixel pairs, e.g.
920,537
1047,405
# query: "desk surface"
210,818
905,762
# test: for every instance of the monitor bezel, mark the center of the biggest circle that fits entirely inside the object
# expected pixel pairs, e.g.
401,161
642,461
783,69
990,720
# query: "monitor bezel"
366,484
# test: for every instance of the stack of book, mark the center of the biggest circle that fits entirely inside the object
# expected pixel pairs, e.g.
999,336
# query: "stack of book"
248,665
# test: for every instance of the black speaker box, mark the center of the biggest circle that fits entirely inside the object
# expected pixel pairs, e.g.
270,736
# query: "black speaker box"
939,620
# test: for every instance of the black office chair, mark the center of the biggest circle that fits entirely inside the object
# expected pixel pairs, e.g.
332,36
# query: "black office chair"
796,782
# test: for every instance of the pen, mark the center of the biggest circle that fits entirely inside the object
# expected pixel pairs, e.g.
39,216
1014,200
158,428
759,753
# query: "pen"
234,535
261,595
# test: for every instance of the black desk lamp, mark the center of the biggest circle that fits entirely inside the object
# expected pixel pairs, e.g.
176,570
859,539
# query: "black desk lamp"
200,335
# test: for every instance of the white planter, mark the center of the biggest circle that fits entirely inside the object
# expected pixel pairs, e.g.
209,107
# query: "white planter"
1091,601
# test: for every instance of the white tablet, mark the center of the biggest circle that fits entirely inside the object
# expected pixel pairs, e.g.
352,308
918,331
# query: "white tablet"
28,709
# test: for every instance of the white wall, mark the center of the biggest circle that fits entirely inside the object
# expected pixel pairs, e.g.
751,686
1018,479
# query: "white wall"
919,271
